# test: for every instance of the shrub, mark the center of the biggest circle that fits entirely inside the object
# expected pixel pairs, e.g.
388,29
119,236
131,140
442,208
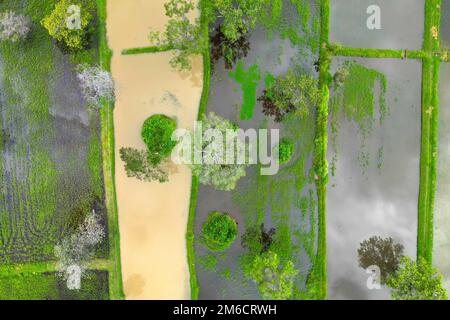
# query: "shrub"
290,93
231,51
416,281
274,280
285,151
219,231
258,240
157,134
69,26
138,166
340,76
238,16
96,84
13,27
181,34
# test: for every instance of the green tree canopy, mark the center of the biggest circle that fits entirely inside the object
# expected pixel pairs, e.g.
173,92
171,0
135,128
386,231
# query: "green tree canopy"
238,16
138,166
285,150
274,281
219,231
416,281
292,92
257,239
181,33
157,134
69,25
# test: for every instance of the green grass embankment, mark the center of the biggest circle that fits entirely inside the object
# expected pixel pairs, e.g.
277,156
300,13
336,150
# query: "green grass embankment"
430,115
108,154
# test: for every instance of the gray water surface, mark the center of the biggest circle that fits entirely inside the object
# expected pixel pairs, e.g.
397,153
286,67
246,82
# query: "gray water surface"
402,23
441,244
364,201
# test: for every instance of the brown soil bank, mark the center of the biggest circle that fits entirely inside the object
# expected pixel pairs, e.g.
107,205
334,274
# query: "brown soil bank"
152,216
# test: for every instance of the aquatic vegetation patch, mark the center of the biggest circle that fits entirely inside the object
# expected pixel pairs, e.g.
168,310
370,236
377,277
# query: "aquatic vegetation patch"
249,80
356,98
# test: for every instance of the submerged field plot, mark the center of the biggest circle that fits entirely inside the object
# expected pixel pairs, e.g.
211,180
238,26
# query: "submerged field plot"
374,177
51,157
402,24
285,204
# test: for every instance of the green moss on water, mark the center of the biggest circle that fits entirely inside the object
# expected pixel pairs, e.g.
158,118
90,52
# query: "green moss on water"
357,98
249,80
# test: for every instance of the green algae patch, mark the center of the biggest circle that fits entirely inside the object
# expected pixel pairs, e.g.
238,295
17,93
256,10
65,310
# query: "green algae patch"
357,97
249,81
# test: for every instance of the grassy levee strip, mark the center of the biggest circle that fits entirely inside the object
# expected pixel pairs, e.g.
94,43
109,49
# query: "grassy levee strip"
338,50
428,157
190,236
319,272
366,52
107,137
28,268
146,50
430,110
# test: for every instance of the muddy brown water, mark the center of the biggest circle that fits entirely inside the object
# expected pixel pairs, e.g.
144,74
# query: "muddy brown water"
152,216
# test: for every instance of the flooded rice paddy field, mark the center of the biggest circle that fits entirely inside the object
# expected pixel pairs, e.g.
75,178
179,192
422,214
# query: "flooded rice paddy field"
374,189
402,24
51,166
441,244
51,158
272,200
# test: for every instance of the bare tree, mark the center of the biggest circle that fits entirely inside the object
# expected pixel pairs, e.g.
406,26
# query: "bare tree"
96,84
75,251
13,27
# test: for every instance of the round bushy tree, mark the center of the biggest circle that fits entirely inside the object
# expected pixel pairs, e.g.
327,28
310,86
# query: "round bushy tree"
274,280
69,22
13,27
285,151
219,231
157,134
